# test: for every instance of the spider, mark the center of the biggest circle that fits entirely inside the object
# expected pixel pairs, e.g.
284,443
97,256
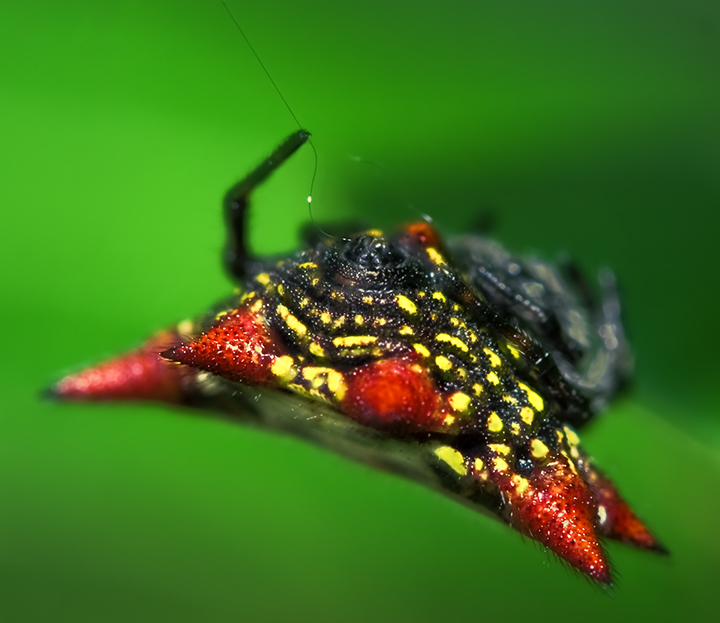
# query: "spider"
457,364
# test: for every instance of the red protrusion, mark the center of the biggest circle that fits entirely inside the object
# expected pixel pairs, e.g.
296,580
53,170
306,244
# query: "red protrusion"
556,508
393,394
139,375
425,234
239,347
618,521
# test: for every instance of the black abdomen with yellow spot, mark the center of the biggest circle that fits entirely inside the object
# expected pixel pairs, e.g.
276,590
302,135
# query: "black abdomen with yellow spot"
347,302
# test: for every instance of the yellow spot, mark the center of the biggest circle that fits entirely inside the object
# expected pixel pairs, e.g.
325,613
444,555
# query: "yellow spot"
513,351
527,415
247,296
521,484
473,337
320,376
574,452
571,464
421,350
316,349
307,265
494,423
459,401
263,278
281,289
454,322
339,322
293,323
477,389
493,378
368,299
405,303
453,458
439,296
535,399
499,448
304,302
435,256
256,306
299,389
185,327
448,420
443,363
495,361
338,295
405,330
572,437
462,373
538,449
455,341
602,514
500,464
515,428
380,321
326,317
421,294
374,232
359,319
511,399
354,340
221,314
310,372
282,366
560,436
336,384
478,465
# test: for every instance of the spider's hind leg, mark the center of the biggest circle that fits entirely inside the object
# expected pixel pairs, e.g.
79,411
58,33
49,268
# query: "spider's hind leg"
608,362
237,200
612,332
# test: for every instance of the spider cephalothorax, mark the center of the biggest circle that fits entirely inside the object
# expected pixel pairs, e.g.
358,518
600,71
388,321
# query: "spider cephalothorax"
459,365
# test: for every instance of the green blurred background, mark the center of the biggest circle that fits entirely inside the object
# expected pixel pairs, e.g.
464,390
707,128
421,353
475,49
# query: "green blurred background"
589,128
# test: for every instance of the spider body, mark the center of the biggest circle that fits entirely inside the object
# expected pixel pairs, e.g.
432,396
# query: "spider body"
476,365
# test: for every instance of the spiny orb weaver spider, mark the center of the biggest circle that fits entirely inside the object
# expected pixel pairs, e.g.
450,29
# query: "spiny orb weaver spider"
458,365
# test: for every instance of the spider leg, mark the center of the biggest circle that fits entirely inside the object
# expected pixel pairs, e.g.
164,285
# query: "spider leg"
237,200
571,272
612,333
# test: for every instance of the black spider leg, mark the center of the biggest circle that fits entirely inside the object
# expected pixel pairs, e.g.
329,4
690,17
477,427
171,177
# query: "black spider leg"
544,370
575,277
609,364
237,200
536,318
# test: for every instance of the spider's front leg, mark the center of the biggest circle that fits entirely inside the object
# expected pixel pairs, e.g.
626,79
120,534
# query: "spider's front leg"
143,374
237,200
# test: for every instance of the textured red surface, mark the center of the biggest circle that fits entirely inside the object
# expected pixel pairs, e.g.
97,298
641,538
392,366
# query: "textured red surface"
239,347
425,234
394,394
139,375
621,523
558,510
